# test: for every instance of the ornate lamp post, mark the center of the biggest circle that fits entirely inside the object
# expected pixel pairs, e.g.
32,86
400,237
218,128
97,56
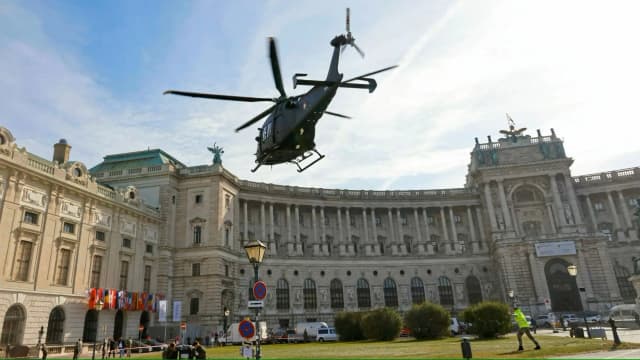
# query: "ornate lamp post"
224,324
99,305
573,271
255,252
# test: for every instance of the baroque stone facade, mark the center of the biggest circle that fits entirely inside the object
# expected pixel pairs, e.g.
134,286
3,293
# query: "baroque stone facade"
520,220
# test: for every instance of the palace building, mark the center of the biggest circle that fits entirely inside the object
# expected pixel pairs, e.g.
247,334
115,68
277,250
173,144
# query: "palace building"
143,223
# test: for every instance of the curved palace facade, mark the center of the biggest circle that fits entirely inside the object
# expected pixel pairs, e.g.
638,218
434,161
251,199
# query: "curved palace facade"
163,230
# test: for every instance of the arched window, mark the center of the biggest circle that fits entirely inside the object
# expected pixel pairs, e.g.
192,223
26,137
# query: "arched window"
337,298
390,293
144,322
309,293
282,295
55,327
473,290
90,326
364,295
118,325
417,290
197,234
446,291
13,326
627,291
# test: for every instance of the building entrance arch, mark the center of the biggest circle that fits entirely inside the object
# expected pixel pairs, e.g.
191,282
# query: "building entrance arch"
144,322
118,325
563,289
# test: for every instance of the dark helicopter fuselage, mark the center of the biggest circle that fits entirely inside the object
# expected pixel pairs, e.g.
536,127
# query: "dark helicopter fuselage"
289,131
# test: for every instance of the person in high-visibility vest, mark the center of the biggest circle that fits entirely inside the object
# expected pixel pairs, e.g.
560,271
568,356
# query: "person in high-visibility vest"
523,328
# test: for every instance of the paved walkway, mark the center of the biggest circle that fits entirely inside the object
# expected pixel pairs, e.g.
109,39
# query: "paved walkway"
626,335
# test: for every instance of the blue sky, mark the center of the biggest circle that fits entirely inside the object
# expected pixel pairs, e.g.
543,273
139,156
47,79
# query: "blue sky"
94,73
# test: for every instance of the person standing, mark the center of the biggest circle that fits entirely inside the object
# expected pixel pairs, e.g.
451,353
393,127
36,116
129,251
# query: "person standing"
45,351
129,346
523,328
76,349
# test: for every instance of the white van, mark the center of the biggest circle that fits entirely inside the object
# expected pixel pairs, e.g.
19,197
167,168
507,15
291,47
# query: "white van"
327,334
625,314
311,327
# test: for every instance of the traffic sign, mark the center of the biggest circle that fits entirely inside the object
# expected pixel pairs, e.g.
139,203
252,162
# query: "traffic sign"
259,290
141,327
183,326
255,304
246,329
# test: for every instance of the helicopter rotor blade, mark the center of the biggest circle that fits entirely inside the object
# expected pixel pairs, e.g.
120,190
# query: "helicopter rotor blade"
348,30
217,96
257,117
338,115
275,67
371,73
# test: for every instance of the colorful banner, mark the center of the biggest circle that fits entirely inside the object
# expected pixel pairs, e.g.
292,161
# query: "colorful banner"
114,299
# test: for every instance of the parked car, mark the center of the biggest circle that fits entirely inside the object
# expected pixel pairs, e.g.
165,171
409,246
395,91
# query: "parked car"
570,319
592,317
327,334
546,320
155,344
405,332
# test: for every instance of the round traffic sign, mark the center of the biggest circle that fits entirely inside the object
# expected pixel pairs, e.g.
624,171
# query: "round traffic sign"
183,326
260,290
246,329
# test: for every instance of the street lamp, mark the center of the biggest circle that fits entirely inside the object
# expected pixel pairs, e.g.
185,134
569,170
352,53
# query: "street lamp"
40,333
255,252
573,271
224,324
99,305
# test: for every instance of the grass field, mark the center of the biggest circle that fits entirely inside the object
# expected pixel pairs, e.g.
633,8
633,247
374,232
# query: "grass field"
552,346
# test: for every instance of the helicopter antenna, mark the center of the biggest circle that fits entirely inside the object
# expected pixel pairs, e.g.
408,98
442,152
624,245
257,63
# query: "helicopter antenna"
350,39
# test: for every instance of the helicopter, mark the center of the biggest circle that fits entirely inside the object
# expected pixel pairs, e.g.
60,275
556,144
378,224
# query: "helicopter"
287,135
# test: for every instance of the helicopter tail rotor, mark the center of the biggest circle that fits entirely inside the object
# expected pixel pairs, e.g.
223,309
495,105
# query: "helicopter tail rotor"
350,39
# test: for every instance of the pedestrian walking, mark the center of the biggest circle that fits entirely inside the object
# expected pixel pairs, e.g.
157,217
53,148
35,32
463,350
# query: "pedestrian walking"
45,351
76,349
121,347
523,328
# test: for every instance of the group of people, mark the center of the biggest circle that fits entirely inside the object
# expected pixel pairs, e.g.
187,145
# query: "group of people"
111,346
196,351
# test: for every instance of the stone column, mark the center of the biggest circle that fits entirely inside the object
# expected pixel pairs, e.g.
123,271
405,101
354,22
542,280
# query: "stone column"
505,209
609,274
625,211
592,214
323,233
482,243
390,232
272,237
584,276
290,250
246,220
314,226
472,231
374,228
616,218
263,223
365,232
445,234
552,221
429,246
490,209
299,245
539,280
573,200
349,247
419,241
560,220
402,247
454,232
341,241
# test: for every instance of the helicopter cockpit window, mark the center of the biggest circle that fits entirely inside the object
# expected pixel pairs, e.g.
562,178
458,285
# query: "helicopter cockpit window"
266,131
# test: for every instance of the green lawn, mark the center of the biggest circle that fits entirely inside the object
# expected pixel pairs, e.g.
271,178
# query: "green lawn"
552,346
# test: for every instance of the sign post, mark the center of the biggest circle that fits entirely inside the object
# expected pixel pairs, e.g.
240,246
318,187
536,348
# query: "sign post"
183,331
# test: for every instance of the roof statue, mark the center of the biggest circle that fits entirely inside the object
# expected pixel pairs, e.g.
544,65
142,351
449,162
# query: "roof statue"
217,152
512,132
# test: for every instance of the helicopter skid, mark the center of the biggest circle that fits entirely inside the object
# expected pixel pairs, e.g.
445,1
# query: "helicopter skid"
298,161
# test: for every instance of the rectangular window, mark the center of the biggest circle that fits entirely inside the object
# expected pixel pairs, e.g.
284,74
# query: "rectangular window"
227,201
403,220
31,217
198,199
126,243
146,286
63,267
226,236
195,269
194,307
95,271
378,221
23,260
124,275
430,220
149,249
457,219
197,233
100,235
301,220
598,206
226,270
352,220
326,220
69,228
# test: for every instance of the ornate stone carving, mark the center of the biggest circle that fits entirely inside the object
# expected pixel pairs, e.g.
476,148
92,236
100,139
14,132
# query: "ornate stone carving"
150,233
459,292
33,198
101,218
127,226
71,209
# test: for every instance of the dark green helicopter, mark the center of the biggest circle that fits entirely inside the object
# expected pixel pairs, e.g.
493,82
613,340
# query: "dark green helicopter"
288,133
